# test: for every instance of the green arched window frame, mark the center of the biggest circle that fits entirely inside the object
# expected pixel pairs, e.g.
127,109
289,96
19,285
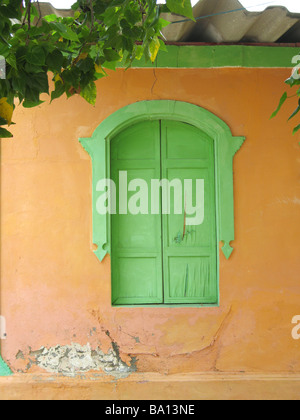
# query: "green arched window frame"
225,146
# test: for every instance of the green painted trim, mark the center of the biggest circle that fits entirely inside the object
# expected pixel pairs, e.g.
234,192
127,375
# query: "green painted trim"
214,56
225,146
174,305
4,369
97,151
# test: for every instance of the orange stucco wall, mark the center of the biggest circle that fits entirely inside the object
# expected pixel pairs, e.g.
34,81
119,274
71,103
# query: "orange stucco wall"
54,291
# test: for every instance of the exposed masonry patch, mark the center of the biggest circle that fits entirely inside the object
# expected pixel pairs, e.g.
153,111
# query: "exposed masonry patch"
73,359
20,355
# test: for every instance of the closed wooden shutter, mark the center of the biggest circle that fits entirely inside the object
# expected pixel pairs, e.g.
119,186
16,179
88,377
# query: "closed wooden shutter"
189,251
160,258
136,239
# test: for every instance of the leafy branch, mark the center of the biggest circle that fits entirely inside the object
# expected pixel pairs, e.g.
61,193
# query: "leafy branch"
76,50
292,81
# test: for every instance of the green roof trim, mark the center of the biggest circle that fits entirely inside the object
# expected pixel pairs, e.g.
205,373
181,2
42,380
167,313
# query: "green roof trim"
214,56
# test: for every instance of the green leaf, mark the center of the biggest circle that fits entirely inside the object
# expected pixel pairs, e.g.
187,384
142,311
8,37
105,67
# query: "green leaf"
162,23
32,95
31,68
34,12
163,46
111,65
35,31
55,60
59,90
139,51
36,55
111,55
50,18
4,50
154,48
292,82
31,104
5,133
296,129
19,84
75,5
65,31
11,60
71,77
20,33
38,81
3,121
281,102
9,11
85,65
181,7
295,112
89,93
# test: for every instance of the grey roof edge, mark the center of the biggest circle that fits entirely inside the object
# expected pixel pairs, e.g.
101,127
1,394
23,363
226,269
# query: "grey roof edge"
216,25
229,21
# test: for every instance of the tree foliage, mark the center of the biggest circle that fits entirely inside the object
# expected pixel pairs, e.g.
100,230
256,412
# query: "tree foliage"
76,50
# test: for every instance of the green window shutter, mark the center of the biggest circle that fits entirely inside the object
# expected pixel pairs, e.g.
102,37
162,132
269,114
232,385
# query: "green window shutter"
136,252
175,252
189,241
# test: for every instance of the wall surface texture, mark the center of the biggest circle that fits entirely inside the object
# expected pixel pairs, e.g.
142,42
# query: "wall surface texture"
55,294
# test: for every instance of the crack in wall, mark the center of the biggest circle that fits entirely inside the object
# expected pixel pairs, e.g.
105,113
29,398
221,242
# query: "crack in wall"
214,340
154,84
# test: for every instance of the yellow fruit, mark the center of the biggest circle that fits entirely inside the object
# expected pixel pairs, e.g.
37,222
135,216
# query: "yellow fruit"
6,110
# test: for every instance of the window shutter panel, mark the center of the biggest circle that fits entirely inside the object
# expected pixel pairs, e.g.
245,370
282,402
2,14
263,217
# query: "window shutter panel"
190,260
136,239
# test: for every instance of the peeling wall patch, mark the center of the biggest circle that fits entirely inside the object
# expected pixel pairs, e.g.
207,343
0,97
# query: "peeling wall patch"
74,359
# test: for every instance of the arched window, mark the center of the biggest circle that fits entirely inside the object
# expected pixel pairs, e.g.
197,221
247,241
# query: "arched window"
162,201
